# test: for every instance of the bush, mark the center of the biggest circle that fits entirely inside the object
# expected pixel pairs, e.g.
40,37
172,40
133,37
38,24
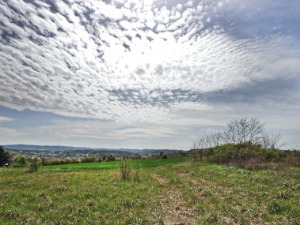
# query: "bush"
19,161
110,158
291,157
230,153
136,171
253,156
88,160
164,157
49,162
33,165
70,161
125,169
129,170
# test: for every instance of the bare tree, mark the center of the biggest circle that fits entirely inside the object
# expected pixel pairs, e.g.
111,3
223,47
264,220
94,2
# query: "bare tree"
243,130
205,141
209,140
195,146
201,143
271,141
238,131
216,138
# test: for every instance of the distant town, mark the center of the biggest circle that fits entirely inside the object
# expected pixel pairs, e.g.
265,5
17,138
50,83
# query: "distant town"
70,152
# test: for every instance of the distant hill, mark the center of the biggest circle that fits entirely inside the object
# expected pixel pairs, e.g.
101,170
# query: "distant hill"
72,148
43,147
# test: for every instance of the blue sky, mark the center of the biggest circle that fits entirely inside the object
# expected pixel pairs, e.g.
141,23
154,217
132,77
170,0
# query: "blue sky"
146,74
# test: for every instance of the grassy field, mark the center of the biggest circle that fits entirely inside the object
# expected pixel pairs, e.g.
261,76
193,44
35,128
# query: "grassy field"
146,163
171,191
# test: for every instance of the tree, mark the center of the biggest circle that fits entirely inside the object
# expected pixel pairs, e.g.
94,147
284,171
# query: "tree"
208,140
271,141
4,156
240,131
216,138
20,160
244,130
205,141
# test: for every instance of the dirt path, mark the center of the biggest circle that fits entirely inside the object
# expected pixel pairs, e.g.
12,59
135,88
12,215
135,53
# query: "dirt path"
174,207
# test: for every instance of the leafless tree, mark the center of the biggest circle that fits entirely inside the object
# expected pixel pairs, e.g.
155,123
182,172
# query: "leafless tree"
216,138
209,140
195,146
205,141
201,142
243,130
271,141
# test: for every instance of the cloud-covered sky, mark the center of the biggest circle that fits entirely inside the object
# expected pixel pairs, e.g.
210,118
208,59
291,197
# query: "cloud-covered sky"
146,73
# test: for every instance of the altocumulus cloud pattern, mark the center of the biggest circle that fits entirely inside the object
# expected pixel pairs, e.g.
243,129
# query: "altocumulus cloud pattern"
136,60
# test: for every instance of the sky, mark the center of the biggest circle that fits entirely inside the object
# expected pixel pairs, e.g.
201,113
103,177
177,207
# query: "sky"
146,73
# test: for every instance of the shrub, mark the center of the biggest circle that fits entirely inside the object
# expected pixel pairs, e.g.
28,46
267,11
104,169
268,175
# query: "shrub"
70,161
33,165
253,156
88,159
129,170
164,157
136,171
48,162
230,153
292,157
125,169
110,158
19,161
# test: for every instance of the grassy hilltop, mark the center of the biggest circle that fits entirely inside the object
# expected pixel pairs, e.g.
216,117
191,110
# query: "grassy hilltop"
170,191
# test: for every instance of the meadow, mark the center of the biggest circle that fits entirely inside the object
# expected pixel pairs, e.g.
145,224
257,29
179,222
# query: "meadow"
170,191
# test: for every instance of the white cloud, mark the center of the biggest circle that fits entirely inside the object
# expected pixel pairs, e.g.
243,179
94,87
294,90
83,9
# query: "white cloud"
4,119
73,62
196,106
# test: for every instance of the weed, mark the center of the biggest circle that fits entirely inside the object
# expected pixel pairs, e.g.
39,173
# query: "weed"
277,207
125,169
136,171
33,165
129,170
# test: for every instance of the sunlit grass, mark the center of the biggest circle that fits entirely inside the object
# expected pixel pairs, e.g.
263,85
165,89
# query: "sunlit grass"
170,191
145,163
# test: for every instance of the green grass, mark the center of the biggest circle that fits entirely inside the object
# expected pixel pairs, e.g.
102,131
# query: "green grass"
145,164
171,191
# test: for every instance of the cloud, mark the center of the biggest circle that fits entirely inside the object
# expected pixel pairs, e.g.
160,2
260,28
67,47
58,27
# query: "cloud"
5,119
138,61
194,106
